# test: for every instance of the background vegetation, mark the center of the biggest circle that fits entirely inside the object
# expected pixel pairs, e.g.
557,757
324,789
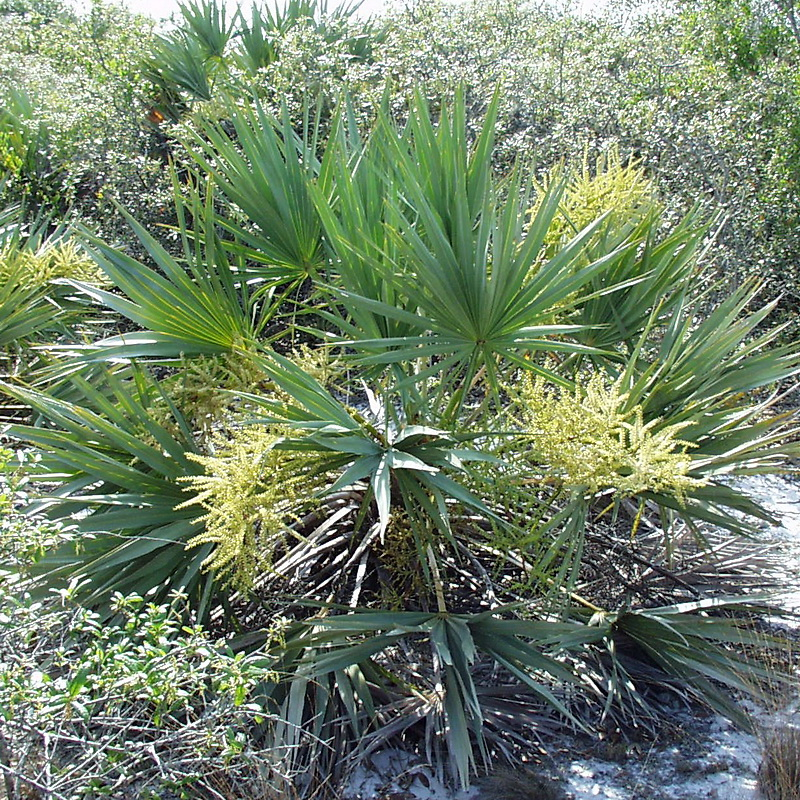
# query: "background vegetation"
704,95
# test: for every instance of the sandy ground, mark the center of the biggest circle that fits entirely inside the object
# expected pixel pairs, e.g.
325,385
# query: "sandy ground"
713,761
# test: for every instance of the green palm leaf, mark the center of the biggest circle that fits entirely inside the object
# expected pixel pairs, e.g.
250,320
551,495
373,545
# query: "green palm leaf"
703,375
438,258
456,641
115,468
263,169
656,275
188,308
25,314
206,23
690,645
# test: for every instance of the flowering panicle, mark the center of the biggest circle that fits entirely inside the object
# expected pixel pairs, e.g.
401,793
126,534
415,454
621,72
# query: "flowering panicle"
590,439
611,186
204,387
34,270
251,493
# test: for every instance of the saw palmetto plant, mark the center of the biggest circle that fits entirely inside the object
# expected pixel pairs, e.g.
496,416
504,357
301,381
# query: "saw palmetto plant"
414,521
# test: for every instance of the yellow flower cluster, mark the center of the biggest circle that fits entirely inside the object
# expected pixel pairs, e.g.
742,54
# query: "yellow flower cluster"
251,493
319,363
590,440
618,187
36,270
202,387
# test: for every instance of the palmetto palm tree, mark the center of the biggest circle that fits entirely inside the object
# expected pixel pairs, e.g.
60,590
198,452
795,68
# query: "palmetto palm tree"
421,480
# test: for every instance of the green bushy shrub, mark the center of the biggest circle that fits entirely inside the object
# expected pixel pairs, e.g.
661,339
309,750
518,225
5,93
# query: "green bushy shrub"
79,80
149,705
474,422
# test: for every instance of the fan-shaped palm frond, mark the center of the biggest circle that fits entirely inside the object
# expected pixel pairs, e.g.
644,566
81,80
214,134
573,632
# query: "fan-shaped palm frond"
114,462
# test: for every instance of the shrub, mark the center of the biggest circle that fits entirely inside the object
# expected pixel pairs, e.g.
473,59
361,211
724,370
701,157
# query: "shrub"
77,78
148,704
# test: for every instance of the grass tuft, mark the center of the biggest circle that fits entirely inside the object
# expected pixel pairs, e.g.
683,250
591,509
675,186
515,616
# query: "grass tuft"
779,773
